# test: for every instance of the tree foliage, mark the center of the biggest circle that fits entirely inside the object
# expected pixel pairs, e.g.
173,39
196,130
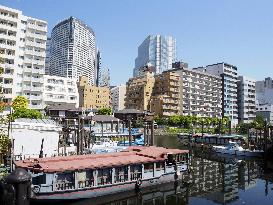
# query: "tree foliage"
105,111
20,102
5,144
26,113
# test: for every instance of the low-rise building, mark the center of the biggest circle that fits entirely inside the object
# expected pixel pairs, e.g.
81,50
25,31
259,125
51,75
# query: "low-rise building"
266,111
201,93
118,97
246,99
60,90
264,91
92,97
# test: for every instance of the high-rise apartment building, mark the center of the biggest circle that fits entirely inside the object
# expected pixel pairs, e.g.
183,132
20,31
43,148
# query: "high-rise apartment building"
246,99
139,91
118,97
22,53
92,97
155,93
228,73
201,93
73,50
266,111
158,51
47,59
60,90
264,91
166,94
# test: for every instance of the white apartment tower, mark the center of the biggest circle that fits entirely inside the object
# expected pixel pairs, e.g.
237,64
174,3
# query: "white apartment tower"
22,53
246,99
158,51
73,50
228,73
118,97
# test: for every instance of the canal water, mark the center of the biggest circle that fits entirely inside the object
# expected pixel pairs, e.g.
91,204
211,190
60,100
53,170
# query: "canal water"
215,180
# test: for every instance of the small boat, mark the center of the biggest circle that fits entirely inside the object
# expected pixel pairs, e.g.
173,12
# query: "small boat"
234,148
88,176
103,143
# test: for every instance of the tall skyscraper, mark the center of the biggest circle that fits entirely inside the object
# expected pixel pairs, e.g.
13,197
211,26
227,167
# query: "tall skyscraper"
104,80
73,50
22,53
264,91
229,77
157,51
98,68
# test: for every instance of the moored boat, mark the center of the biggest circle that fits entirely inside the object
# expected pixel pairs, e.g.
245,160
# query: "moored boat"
87,176
234,148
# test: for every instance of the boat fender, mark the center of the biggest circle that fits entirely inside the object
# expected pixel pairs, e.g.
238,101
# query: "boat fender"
36,189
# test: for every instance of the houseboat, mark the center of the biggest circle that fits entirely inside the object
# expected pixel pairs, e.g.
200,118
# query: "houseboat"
87,176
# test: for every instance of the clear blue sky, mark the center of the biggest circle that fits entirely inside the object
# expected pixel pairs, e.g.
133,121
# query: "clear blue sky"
239,32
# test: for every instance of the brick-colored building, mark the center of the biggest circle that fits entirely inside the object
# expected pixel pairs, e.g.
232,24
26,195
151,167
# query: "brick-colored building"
158,94
92,97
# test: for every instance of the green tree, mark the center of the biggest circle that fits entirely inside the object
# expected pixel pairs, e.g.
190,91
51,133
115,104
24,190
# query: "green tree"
174,120
26,113
20,102
105,111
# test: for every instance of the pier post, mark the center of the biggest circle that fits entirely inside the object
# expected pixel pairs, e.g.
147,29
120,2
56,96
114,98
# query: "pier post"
95,177
130,133
20,179
145,133
129,173
113,175
152,133
265,135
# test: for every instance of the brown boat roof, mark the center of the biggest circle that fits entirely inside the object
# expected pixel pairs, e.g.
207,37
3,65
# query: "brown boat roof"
133,155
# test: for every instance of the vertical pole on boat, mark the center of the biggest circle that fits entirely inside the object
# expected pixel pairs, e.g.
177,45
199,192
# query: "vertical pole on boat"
81,136
78,135
145,132
152,133
112,126
265,135
202,130
248,136
130,133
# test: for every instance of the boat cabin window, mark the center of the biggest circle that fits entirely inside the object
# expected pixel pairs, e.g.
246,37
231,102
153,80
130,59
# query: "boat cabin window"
160,166
149,167
121,174
41,179
136,172
85,179
65,181
104,176
171,159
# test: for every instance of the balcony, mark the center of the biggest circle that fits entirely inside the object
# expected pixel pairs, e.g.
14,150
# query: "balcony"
38,71
37,89
37,107
36,27
26,87
8,27
37,80
32,97
26,79
6,36
38,62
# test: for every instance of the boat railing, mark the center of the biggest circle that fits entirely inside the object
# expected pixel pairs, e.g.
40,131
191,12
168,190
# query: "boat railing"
65,185
87,183
121,178
104,181
136,176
